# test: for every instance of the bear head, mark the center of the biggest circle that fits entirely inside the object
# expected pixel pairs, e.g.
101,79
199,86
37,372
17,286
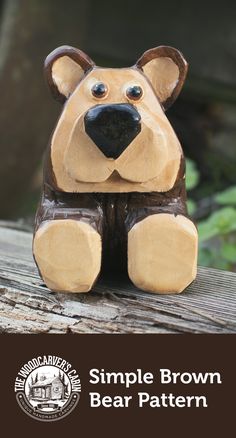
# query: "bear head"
113,134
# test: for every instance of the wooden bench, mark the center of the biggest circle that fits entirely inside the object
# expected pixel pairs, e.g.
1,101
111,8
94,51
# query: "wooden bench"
114,306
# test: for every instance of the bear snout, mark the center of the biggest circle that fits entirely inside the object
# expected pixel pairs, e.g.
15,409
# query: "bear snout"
112,127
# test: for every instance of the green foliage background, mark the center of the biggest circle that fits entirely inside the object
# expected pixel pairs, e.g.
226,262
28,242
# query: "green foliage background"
217,231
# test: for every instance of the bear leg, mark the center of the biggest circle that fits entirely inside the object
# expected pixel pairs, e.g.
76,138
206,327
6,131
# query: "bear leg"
67,244
162,253
68,255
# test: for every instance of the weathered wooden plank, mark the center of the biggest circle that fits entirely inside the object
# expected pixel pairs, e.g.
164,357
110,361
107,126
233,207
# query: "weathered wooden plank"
114,306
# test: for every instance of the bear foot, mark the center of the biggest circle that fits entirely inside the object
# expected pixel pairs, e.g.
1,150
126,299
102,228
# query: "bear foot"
162,253
68,255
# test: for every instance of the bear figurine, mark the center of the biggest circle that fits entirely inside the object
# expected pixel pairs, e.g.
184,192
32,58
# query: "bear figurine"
114,176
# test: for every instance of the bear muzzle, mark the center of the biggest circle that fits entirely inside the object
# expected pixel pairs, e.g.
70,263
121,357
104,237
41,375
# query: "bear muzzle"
112,127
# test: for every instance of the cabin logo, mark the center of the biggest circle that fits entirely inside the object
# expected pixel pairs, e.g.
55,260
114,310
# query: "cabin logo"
47,388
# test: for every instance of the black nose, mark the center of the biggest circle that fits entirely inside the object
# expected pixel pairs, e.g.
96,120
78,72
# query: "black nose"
112,127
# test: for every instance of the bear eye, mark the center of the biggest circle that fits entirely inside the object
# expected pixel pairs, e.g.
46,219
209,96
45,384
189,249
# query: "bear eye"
99,89
134,92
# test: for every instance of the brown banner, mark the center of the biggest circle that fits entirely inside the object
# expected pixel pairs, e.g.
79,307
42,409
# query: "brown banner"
140,385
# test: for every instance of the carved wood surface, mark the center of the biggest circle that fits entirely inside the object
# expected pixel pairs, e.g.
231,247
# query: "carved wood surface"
114,305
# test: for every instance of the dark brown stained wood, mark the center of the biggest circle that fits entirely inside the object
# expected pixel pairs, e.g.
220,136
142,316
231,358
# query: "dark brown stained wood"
114,305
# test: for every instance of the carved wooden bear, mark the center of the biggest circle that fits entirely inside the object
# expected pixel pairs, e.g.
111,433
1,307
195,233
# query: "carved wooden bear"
114,179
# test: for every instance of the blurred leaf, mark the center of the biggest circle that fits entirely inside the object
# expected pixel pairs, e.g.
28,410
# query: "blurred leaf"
228,252
227,197
220,222
220,263
192,174
224,219
209,257
191,206
205,257
206,231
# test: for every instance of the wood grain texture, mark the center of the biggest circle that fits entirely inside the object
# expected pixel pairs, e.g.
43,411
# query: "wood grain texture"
114,306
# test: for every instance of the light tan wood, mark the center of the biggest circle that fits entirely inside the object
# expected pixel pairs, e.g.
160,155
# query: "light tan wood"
163,74
66,75
166,68
68,254
150,163
83,160
162,253
146,156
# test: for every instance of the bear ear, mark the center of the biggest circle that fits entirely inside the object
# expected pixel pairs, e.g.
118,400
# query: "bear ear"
166,69
64,68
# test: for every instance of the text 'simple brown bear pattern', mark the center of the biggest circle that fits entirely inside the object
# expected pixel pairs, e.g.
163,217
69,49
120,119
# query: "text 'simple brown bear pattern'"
114,179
